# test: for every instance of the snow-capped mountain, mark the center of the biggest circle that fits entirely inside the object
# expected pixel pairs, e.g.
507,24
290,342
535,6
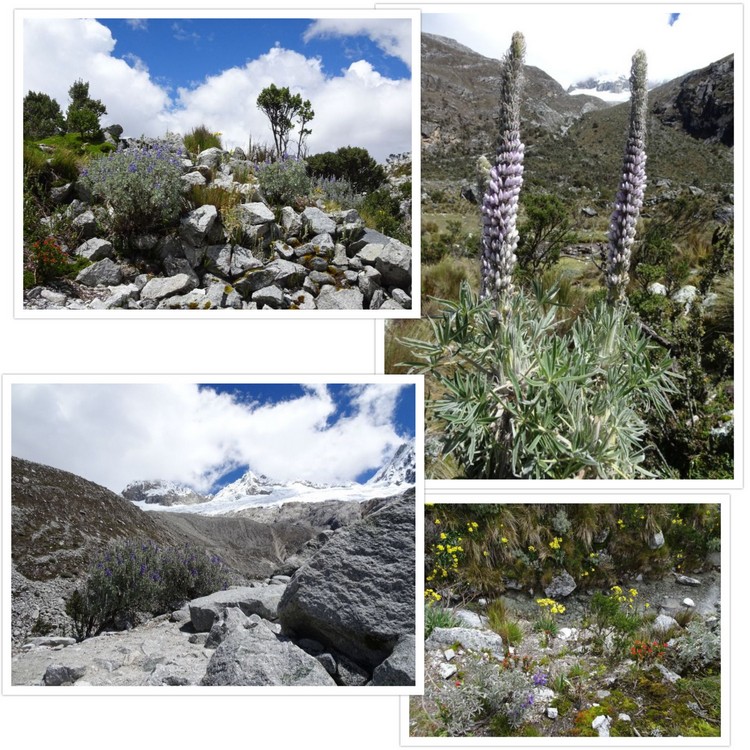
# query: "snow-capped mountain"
253,490
401,469
162,492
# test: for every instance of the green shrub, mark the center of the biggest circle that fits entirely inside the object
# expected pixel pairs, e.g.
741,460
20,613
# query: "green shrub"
132,577
698,649
283,182
517,399
338,192
382,211
201,138
142,186
350,163
42,116
46,260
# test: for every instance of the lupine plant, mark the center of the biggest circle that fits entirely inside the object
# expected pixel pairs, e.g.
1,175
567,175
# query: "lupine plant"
500,205
632,187
519,391
141,186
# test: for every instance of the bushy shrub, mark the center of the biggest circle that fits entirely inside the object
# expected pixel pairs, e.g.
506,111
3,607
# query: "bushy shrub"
142,186
42,116
283,182
698,648
520,400
488,691
337,191
382,211
46,260
350,163
201,138
133,577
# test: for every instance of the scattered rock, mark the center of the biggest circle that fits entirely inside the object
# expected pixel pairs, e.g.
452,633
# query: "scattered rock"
481,641
561,585
687,580
602,725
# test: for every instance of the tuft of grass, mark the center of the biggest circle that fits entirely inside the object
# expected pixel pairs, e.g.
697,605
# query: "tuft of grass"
224,200
201,138
438,617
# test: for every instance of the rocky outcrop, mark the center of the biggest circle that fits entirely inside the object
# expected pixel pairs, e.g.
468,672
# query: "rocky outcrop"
249,257
162,493
357,594
701,103
255,655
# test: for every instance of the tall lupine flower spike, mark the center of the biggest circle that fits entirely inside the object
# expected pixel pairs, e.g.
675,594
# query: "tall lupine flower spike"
630,195
500,206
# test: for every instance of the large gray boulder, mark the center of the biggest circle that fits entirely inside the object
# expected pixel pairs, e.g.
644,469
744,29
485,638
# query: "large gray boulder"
400,667
104,272
260,600
95,249
393,260
210,157
357,594
316,221
331,298
159,288
195,227
255,655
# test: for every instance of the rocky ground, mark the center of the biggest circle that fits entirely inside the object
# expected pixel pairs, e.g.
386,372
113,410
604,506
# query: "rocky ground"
590,684
288,259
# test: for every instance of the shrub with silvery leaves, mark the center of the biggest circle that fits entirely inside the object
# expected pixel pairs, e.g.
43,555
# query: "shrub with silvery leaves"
283,182
487,691
140,185
698,647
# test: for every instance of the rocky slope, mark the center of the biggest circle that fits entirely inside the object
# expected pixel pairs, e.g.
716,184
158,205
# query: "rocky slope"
236,637
300,260
459,102
161,493
574,143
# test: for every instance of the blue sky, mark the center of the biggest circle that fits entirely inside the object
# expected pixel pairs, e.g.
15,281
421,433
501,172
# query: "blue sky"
206,435
158,75
182,52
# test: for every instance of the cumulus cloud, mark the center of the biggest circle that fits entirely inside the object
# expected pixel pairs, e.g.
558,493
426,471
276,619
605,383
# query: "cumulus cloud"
116,433
392,35
358,107
59,51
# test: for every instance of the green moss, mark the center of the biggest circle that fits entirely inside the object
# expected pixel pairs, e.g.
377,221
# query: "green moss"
192,305
583,720
563,704
207,305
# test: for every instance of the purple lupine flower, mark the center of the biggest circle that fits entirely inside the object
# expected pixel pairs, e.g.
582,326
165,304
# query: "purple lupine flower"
500,205
632,187
539,679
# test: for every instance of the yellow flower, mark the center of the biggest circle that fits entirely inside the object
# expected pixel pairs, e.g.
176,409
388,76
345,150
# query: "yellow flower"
443,535
646,605
616,590
440,547
555,543
486,554
504,540
532,548
437,521
633,592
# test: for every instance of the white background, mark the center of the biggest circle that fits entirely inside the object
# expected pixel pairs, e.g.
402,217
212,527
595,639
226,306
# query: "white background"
237,347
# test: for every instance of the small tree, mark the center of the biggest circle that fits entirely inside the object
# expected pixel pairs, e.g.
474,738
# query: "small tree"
282,107
83,111
544,232
304,116
42,116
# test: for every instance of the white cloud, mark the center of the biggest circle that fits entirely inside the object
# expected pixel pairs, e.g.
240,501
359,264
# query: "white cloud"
570,42
392,35
359,107
137,24
115,433
59,51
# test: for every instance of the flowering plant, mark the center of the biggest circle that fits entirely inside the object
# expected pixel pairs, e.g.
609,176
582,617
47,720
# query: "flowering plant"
47,260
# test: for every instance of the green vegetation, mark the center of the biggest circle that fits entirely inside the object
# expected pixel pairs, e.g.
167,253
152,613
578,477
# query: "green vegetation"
133,577
282,109
284,182
588,655
350,163
201,138
84,112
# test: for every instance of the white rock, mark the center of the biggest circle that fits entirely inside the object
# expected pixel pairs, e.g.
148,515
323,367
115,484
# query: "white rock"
567,634
623,717
551,712
687,602
447,671
601,724
449,654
